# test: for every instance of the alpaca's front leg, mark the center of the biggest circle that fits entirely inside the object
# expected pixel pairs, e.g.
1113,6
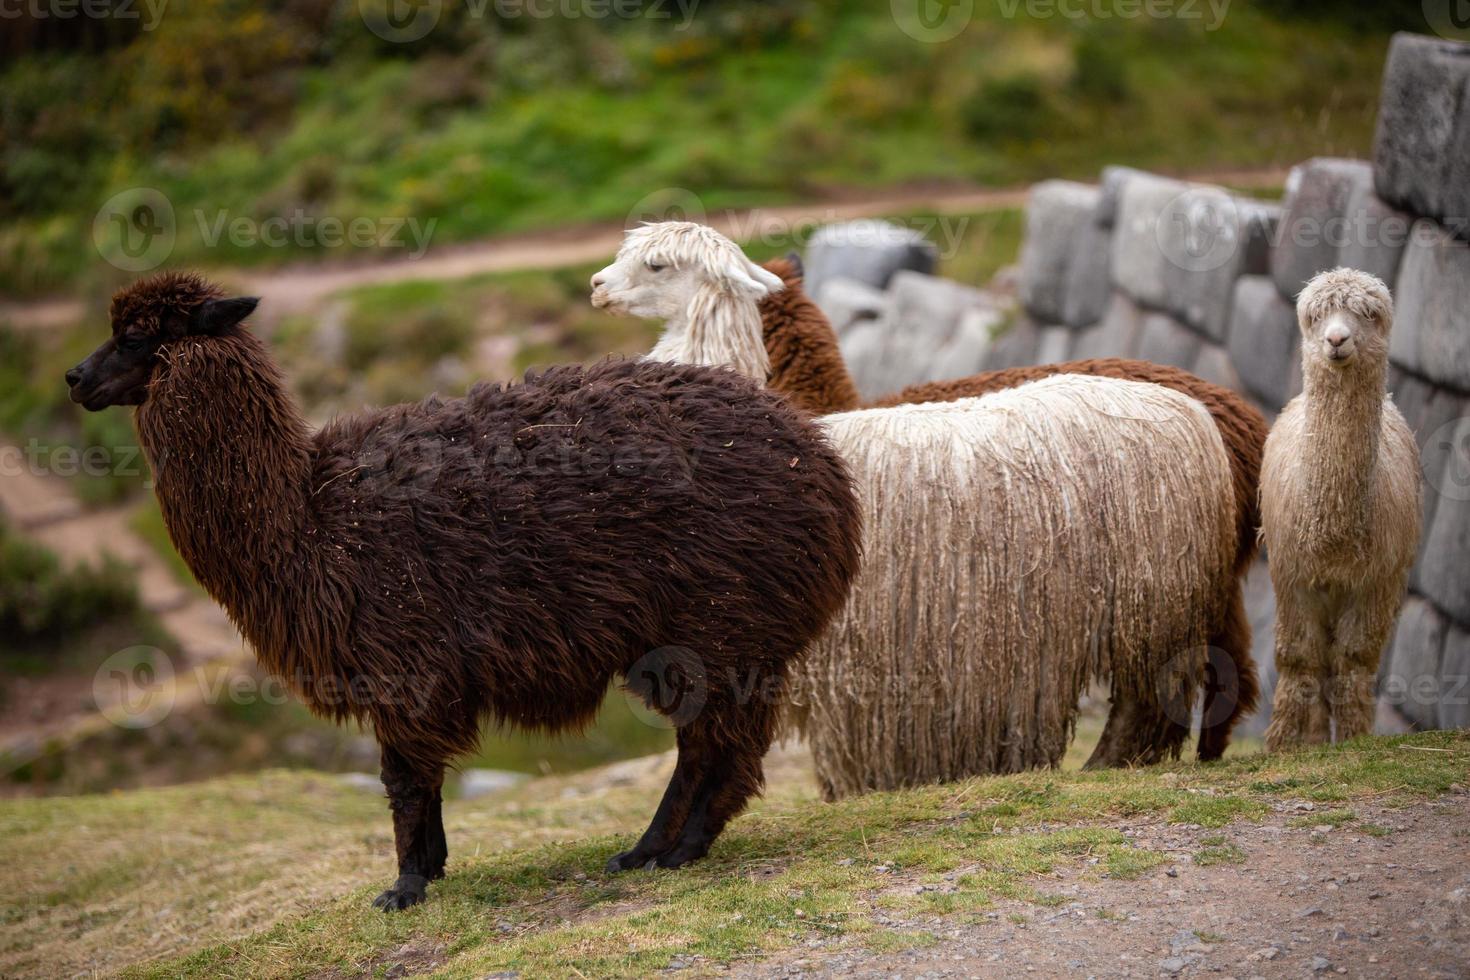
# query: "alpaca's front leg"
1299,713
1361,634
418,831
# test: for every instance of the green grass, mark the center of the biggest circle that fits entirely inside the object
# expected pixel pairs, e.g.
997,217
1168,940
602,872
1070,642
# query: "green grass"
487,127
272,874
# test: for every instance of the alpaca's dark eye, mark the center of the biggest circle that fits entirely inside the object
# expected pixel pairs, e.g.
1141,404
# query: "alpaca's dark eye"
132,342
656,267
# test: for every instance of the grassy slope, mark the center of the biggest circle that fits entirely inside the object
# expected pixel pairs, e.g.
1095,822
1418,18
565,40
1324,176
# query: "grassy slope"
272,875
566,125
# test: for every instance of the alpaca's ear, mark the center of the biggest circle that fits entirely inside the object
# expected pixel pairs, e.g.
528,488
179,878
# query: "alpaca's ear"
217,315
762,281
798,267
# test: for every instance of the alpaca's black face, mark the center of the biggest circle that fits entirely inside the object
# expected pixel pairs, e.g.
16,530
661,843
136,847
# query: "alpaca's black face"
119,372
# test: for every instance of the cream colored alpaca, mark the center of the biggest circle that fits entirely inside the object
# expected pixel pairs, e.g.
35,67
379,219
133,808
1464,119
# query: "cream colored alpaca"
1340,500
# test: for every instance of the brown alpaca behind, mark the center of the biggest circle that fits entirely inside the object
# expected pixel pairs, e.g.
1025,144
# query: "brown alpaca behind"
1340,508
815,377
502,557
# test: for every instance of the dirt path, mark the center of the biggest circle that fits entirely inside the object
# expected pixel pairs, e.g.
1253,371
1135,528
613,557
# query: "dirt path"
1292,896
295,288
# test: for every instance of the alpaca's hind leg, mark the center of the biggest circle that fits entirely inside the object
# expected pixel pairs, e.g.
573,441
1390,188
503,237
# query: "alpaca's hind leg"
1145,727
673,810
1231,686
1299,714
438,846
730,785
1361,635
412,792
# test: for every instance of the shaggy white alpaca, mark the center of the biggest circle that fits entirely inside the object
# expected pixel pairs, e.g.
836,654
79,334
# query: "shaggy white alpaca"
1340,496
701,285
1017,546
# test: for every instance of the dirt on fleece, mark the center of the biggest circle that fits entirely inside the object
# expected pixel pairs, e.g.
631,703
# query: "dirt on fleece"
1288,897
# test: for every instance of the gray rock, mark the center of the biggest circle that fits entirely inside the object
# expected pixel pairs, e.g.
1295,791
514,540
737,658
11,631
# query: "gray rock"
1454,672
1055,342
1262,223
864,348
964,353
1443,572
868,250
1111,192
1264,341
1016,347
1117,334
476,783
1376,234
1422,146
365,781
1431,330
1260,609
1313,227
1139,263
1206,237
1433,414
847,301
1410,678
1213,364
1089,282
1165,341
1056,214
924,307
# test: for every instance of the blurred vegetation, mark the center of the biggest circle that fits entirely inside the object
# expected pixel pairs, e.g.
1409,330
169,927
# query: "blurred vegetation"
489,124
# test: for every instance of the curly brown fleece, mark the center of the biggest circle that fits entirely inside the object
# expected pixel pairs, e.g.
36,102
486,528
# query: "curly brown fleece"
504,556
815,377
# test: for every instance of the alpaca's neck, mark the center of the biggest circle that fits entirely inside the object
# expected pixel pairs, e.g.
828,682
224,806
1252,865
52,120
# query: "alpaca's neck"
232,458
1344,409
718,330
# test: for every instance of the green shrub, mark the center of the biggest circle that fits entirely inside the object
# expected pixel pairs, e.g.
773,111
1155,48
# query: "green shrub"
40,600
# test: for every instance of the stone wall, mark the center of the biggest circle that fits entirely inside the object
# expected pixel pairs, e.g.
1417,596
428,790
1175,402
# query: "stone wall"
1195,276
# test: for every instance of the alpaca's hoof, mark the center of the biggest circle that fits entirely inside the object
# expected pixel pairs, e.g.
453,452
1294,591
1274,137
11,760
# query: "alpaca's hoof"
628,860
682,855
407,890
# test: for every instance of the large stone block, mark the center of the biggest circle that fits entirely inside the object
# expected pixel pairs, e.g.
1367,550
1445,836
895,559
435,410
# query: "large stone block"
1055,344
1313,226
1213,365
1264,341
1016,347
1433,414
1116,335
1140,267
1374,235
1163,340
1260,609
848,301
1421,150
1454,676
1209,239
964,353
1443,572
865,349
1262,223
1431,329
868,250
1056,214
1110,188
1089,280
1409,679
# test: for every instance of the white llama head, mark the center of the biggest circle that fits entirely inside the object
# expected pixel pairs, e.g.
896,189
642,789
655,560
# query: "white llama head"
701,284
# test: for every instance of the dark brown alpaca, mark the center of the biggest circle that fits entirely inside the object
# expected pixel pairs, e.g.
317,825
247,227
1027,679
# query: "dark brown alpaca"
505,555
814,376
